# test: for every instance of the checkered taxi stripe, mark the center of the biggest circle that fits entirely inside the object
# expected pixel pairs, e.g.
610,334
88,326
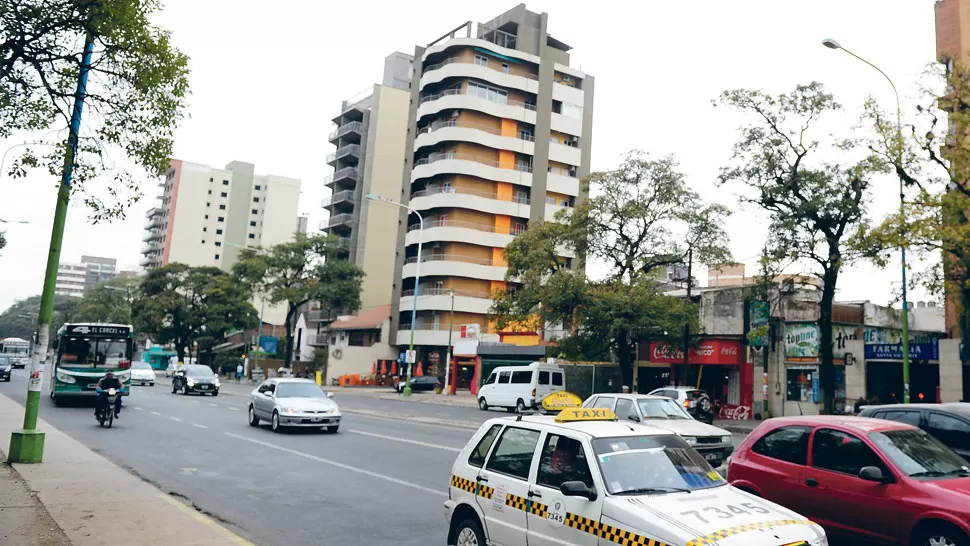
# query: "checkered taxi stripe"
613,534
474,488
737,530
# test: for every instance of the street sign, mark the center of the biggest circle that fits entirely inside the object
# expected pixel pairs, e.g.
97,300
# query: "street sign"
411,357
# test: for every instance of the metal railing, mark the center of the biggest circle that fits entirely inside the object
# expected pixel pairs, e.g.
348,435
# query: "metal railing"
461,60
322,315
440,156
497,37
346,195
318,340
338,220
352,127
451,258
346,172
435,190
344,243
449,92
452,223
441,291
350,149
442,124
441,326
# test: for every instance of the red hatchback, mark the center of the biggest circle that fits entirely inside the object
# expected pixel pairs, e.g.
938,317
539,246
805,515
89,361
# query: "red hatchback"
865,480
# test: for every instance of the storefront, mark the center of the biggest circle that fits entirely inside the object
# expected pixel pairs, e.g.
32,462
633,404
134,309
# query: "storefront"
884,371
802,387
715,366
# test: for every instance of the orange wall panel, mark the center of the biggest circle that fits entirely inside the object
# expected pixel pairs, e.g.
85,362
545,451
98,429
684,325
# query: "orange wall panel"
503,191
498,257
503,223
510,127
506,159
497,285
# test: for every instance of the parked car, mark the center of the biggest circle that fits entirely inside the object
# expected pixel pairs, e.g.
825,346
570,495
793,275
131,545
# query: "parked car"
864,480
142,374
423,383
516,388
196,378
291,402
695,401
714,443
950,423
6,368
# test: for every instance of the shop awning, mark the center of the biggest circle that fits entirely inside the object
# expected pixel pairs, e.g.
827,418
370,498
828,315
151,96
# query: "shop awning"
494,54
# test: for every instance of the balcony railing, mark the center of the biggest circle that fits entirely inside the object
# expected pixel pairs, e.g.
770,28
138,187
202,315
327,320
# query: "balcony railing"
452,223
440,291
441,124
461,60
321,315
453,258
344,243
497,37
352,127
449,92
318,340
337,220
350,149
435,190
349,173
346,195
440,326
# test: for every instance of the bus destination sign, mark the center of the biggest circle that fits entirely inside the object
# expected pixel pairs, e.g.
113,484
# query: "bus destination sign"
96,330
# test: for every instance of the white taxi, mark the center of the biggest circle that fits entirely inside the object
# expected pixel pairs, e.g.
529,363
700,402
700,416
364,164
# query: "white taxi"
584,478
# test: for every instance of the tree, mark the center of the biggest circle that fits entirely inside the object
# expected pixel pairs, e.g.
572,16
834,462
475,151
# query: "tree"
20,319
109,301
3,240
311,268
817,209
180,304
136,92
642,217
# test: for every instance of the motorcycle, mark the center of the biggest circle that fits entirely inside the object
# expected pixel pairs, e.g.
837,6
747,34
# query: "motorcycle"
106,413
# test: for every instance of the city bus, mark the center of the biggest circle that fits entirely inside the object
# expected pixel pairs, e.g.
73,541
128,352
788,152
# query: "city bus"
85,352
17,349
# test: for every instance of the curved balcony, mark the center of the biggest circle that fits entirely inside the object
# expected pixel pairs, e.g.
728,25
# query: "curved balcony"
570,155
457,67
480,42
566,124
471,165
439,299
452,99
459,232
466,131
558,183
454,265
467,199
429,332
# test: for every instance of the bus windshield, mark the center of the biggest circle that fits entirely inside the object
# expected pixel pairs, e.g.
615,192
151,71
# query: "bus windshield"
94,352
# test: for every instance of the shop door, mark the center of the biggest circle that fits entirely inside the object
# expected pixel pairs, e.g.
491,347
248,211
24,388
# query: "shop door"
884,382
923,380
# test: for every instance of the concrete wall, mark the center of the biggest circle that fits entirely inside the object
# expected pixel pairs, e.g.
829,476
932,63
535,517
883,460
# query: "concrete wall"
358,359
185,243
855,375
722,312
239,212
951,371
280,203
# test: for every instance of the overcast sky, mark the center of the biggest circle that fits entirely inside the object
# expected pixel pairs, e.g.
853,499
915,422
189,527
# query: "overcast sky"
268,77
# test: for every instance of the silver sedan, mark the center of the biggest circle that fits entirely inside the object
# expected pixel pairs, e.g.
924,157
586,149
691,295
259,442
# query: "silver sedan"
290,402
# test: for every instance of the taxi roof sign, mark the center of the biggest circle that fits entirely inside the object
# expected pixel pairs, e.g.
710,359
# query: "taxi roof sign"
560,400
571,415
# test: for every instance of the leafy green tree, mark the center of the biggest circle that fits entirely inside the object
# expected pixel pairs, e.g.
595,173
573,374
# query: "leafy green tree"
817,209
641,218
136,93
3,240
20,319
311,268
109,301
179,304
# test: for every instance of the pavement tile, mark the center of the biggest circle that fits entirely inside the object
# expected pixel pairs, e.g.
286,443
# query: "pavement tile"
23,519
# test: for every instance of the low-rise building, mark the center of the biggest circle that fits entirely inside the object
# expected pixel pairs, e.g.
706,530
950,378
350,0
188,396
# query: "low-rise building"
356,342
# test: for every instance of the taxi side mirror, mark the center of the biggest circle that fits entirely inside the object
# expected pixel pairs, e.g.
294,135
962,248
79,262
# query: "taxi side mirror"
577,489
329,395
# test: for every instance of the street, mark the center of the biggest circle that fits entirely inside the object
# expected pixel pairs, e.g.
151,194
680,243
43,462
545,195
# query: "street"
380,480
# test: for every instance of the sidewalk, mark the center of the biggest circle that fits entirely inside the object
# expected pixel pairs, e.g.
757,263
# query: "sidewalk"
23,519
70,484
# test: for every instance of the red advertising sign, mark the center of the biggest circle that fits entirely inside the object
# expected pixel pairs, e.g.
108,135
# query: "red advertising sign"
734,412
710,351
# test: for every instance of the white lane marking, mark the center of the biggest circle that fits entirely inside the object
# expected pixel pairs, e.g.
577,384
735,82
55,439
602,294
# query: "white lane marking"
139,409
195,402
213,404
174,418
341,465
198,425
232,408
155,413
406,441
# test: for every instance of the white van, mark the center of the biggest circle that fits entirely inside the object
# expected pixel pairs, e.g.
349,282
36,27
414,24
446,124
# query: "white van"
516,388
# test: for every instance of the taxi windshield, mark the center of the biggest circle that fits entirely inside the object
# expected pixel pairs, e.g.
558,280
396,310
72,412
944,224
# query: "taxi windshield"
642,465
661,408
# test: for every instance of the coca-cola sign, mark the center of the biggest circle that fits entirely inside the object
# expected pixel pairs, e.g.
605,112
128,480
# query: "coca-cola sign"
734,413
711,351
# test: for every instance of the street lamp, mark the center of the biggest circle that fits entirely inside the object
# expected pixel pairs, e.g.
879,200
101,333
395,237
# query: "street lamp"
832,44
417,281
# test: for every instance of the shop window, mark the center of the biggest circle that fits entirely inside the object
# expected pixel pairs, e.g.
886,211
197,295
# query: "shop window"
800,384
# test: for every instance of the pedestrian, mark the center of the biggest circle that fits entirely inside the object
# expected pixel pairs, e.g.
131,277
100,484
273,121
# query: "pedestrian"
858,404
239,372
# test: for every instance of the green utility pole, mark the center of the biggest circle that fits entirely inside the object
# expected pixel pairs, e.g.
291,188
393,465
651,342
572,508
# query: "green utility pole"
27,444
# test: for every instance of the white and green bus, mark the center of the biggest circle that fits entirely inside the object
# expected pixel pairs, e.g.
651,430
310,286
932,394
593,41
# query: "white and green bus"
85,352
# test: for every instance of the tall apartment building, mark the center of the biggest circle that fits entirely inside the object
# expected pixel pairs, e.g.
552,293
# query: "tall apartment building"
499,131
370,136
207,214
76,279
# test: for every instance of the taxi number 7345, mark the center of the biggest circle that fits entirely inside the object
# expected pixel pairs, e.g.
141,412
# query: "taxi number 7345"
706,514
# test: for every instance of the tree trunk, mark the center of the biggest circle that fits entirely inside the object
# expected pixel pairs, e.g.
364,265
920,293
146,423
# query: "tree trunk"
180,350
288,355
825,349
624,356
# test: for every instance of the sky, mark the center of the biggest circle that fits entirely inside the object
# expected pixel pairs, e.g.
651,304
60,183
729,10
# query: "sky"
268,77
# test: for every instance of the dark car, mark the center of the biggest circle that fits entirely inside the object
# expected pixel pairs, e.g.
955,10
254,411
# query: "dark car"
950,423
5,368
423,383
196,379
695,401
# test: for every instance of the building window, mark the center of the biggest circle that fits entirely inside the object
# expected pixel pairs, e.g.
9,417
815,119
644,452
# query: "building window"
572,111
488,93
218,232
252,224
206,216
549,201
217,256
255,199
565,203
258,187
224,194
222,207
518,228
205,229
218,243
222,218
225,182
210,192
526,134
481,60
505,68
255,211
252,235
446,188
203,241
208,204
211,180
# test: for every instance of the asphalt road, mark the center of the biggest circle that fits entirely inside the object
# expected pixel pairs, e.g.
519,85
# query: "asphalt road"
380,481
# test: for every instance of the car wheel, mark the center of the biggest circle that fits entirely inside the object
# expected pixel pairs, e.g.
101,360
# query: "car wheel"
275,422
519,406
482,404
469,533
253,420
174,389
939,534
185,390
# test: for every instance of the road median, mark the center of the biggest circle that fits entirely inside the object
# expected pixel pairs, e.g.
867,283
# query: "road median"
96,502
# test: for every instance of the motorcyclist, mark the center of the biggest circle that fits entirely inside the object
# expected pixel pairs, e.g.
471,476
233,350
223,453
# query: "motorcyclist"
109,381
